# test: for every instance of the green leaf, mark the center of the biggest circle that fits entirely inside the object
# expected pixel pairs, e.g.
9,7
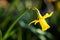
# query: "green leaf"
0,35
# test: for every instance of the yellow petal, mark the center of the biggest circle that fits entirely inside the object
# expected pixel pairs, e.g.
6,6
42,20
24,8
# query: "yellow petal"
33,22
47,15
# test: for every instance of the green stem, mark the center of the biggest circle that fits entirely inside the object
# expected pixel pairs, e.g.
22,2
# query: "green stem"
0,35
20,33
13,24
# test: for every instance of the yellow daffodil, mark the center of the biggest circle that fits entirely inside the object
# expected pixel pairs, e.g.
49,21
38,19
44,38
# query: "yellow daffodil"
41,20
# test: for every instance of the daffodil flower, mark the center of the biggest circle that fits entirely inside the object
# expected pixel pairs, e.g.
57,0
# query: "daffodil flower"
41,20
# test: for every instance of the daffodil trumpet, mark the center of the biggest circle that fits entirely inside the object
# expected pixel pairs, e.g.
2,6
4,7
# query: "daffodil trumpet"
41,20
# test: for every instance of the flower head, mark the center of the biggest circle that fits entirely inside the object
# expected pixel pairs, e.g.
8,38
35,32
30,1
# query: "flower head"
41,20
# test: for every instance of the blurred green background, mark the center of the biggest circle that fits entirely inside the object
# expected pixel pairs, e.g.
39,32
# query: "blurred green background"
16,14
